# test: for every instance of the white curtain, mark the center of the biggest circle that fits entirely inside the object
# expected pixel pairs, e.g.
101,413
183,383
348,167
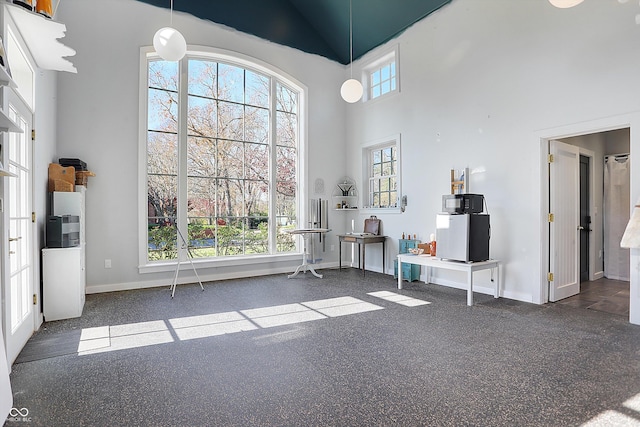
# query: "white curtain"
616,216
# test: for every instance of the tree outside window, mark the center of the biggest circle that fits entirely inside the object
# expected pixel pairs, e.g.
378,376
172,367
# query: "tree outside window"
383,177
223,169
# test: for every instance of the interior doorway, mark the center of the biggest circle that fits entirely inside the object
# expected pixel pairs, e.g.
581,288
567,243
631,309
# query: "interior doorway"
597,226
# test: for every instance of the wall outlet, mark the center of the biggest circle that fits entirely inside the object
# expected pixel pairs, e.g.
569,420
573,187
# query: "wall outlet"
107,263
333,248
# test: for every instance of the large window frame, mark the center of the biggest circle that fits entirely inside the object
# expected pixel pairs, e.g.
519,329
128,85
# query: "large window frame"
147,55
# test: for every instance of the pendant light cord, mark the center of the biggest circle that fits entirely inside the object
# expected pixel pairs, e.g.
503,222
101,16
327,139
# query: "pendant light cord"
56,9
171,15
350,36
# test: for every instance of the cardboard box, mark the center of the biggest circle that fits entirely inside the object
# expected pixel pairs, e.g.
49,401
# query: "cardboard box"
83,176
61,178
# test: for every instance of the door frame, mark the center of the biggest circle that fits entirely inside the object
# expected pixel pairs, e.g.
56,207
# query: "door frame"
542,137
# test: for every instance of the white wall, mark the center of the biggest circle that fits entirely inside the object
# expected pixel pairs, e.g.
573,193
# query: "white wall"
480,81
44,153
482,84
98,122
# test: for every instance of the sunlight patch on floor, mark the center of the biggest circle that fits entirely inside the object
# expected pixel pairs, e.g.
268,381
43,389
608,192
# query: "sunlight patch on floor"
132,335
398,298
279,315
342,306
615,418
209,325
633,403
121,337
611,418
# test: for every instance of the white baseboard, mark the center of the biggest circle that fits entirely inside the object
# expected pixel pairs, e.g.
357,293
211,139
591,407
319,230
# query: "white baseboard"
624,279
187,276
482,289
460,285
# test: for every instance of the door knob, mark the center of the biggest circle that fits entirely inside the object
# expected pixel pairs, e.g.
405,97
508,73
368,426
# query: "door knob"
12,252
13,239
580,227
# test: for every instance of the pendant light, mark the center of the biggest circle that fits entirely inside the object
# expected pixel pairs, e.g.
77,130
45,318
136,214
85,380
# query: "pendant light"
565,4
351,90
169,43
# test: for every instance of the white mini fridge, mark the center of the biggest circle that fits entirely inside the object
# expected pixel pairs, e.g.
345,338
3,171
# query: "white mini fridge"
462,237
63,285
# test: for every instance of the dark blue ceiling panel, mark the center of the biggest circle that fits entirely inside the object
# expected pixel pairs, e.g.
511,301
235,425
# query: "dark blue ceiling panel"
315,26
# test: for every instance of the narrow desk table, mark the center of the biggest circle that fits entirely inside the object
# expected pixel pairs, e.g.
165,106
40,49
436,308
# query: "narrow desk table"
469,267
361,239
305,233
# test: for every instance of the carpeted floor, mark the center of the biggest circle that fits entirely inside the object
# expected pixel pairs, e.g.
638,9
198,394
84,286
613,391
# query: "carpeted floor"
339,351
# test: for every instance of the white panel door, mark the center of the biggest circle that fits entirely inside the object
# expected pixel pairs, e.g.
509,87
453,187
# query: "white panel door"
564,198
18,266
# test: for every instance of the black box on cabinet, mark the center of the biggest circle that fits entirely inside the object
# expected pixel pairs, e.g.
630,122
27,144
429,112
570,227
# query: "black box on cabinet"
63,231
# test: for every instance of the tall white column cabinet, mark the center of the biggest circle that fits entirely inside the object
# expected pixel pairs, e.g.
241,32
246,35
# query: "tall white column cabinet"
63,269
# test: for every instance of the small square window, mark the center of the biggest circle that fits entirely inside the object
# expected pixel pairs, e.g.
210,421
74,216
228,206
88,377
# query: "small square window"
386,72
375,77
382,75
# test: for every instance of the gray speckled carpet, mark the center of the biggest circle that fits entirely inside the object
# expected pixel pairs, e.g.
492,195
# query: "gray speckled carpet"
339,351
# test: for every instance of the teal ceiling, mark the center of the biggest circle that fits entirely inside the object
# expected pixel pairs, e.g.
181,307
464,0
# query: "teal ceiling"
315,26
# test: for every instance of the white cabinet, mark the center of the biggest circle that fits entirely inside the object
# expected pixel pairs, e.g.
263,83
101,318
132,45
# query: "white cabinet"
63,269
63,276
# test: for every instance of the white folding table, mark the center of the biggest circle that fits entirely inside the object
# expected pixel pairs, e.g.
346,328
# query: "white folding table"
468,267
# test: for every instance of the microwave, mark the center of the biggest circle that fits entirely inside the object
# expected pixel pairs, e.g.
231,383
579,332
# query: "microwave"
463,203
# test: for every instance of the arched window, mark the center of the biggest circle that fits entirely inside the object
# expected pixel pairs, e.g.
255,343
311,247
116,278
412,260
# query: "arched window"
221,150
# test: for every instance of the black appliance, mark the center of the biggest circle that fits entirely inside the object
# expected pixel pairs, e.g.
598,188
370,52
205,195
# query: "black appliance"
78,164
463,203
63,231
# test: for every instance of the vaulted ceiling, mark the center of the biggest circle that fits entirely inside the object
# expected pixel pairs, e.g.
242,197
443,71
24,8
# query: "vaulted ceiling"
315,26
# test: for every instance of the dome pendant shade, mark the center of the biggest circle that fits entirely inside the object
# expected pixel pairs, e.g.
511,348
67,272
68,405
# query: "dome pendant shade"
351,91
170,44
565,4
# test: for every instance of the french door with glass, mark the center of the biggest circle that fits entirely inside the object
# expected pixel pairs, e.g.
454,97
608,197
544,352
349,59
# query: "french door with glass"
18,271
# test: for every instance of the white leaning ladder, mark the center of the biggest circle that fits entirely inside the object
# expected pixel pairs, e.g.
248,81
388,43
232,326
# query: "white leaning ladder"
190,258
